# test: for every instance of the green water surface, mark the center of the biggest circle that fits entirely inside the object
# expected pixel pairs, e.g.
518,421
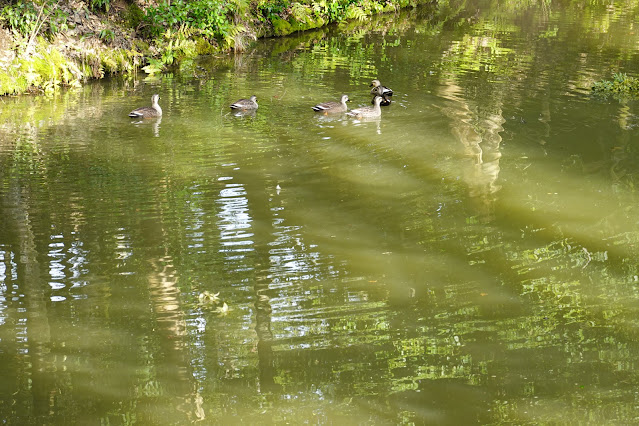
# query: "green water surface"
471,257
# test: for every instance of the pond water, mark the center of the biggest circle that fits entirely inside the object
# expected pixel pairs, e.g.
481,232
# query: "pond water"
469,257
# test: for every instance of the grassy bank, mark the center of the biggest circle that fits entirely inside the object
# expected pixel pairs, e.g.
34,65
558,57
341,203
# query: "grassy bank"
47,44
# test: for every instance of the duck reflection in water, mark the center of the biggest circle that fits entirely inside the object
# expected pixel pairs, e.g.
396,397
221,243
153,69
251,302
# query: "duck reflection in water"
154,123
244,113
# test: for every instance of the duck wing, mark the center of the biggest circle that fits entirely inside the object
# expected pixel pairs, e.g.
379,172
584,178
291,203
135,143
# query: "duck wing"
143,112
327,106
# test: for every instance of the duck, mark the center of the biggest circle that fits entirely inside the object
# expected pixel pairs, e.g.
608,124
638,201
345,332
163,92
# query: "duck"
379,91
245,104
148,112
331,106
385,91
368,112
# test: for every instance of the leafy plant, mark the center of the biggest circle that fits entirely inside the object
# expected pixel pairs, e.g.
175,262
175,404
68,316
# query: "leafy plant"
25,19
154,66
173,46
21,17
300,11
57,22
106,35
207,16
620,86
271,8
100,5
355,12
334,10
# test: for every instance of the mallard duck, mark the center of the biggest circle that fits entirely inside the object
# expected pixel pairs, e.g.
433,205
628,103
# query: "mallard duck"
385,90
379,91
148,112
330,107
245,104
368,112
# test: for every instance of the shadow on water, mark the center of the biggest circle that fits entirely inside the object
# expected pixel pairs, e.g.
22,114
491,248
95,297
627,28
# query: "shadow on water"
469,257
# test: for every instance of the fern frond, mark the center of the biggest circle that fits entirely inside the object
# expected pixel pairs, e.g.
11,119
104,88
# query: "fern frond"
231,36
300,11
355,12
154,66
185,31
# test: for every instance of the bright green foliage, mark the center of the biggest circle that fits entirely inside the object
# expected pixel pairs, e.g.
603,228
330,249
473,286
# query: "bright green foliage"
335,10
119,60
21,17
46,70
300,12
26,19
106,35
174,46
11,83
355,12
203,47
217,19
287,16
280,26
362,9
621,86
100,5
178,30
267,9
209,17
303,17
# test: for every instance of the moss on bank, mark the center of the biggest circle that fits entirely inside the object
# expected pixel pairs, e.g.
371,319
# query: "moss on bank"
44,45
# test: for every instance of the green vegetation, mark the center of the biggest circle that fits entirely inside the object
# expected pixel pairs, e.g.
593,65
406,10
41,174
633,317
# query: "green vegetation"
210,18
45,69
100,5
152,38
621,86
511,283
28,19
175,46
